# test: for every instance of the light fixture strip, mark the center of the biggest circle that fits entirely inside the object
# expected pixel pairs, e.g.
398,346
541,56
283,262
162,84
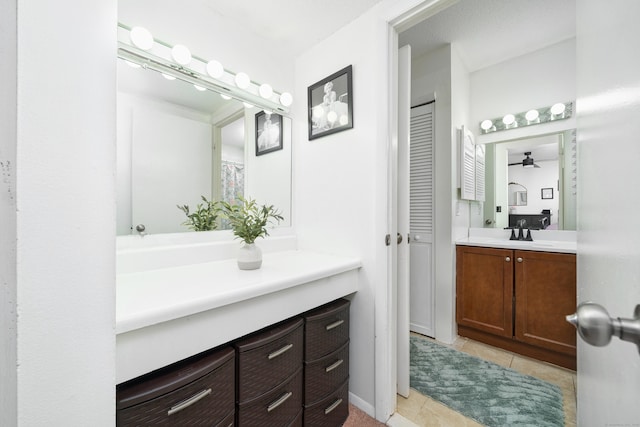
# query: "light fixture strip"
150,61
544,116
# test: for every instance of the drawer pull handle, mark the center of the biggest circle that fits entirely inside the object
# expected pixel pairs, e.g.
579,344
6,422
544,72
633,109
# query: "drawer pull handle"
279,352
333,366
333,406
188,402
334,324
280,401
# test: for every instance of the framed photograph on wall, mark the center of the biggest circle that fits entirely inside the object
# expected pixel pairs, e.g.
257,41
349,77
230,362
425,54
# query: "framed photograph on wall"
330,104
268,132
547,193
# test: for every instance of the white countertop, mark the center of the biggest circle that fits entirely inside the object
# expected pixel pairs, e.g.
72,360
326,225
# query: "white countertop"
536,245
154,296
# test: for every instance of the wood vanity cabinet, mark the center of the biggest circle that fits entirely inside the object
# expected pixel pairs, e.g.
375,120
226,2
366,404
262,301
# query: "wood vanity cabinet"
518,300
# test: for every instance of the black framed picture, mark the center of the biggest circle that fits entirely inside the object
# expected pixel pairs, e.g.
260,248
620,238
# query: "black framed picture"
268,132
330,104
547,193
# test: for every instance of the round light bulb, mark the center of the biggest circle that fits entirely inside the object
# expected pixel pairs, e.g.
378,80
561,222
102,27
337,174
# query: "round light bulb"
200,88
486,124
141,38
557,109
318,112
225,97
181,54
532,115
265,90
242,80
168,77
286,99
508,119
215,69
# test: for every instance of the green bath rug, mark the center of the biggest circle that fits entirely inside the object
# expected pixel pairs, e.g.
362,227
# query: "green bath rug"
486,392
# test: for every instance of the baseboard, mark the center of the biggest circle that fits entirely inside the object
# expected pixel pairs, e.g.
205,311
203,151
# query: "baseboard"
363,405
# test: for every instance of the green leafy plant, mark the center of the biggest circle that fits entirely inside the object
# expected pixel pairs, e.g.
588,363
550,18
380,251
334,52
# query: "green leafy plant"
205,217
248,220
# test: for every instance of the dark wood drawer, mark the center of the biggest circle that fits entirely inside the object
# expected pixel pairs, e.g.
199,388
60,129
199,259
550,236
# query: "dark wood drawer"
267,359
325,375
331,411
229,420
280,407
198,391
326,329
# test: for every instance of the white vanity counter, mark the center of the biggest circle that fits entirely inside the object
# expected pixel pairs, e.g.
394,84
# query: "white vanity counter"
167,314
543,241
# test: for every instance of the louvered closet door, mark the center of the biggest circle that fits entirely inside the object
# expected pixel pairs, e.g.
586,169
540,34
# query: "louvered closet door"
421,220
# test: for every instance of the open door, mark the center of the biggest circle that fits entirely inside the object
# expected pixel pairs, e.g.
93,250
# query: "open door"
608,107
404,99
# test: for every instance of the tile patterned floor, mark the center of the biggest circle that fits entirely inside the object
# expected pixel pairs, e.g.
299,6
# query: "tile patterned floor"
424,411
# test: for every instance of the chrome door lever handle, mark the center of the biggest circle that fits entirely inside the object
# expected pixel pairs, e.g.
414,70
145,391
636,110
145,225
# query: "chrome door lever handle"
596,327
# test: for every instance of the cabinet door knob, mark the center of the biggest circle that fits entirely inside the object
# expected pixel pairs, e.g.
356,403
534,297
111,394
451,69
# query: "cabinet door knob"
519,259
507,259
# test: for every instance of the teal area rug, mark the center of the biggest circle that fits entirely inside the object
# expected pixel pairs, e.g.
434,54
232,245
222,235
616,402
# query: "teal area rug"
486,392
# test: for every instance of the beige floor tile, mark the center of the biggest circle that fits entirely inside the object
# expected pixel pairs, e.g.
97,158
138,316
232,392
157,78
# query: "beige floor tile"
561,377
487,352
435,414
409,407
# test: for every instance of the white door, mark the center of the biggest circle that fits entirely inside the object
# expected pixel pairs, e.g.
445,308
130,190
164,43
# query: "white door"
608,108
421,304
404,101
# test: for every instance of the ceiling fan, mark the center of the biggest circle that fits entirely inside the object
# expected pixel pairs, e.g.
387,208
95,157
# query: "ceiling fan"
527,162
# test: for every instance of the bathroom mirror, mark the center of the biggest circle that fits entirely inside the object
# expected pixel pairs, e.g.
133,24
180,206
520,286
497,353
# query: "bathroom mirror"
177,143
513,191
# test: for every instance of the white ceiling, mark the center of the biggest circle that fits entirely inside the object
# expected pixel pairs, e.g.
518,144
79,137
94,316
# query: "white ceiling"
487,32
292,25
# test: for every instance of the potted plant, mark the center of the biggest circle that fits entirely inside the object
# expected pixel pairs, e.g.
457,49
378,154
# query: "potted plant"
249,221
205,217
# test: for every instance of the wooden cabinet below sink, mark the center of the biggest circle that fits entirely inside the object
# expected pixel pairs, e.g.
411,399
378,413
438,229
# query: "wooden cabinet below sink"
518,300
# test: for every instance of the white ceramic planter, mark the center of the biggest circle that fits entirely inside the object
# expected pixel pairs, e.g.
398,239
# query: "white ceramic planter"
249,257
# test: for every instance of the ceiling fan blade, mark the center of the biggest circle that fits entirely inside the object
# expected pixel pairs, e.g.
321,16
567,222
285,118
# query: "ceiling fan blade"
513,164
535,165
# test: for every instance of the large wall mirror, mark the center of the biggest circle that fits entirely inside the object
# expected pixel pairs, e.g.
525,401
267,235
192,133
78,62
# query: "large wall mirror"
531,182
177,143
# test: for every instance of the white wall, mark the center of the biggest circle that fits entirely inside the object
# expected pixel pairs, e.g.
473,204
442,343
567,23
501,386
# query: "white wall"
340,180
8,214
62,249
537,79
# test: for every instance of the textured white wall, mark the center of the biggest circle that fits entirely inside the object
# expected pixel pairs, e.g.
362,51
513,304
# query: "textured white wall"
65,189
8,243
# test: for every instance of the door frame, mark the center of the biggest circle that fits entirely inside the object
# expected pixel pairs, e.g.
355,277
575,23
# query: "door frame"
386,369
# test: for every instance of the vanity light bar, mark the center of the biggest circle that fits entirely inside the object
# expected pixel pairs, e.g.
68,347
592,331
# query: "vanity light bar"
559,111
167,67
